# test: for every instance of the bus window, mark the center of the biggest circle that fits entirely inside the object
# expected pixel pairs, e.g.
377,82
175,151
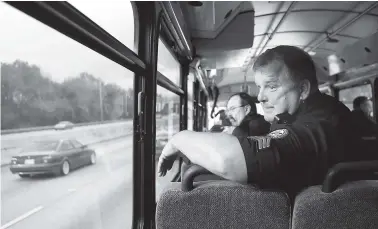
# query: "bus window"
259,108
96,11
167,64
167,124
48,78
347,95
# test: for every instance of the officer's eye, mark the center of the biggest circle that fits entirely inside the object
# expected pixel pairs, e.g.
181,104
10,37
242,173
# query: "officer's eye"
272,87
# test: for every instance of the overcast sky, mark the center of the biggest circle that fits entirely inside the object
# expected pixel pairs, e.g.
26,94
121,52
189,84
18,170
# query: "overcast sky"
60,57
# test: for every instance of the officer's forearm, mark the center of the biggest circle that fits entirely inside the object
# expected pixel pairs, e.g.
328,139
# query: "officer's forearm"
219,153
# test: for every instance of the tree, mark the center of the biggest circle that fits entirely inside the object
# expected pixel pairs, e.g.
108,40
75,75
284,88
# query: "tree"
30,99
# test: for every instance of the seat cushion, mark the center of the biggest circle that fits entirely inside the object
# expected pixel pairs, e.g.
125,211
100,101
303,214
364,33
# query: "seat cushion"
222,204
352,205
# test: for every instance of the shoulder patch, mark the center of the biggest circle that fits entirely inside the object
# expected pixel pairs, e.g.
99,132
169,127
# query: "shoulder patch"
277,134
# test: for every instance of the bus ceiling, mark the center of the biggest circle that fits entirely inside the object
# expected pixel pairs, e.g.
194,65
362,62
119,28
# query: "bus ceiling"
226,37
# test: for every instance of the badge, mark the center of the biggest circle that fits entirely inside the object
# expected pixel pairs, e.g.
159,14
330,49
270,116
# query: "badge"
277,134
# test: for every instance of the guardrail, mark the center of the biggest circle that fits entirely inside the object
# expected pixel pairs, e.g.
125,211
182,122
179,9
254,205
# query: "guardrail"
41,128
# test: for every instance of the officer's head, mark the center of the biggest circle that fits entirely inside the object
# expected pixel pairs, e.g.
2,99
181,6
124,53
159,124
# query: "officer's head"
364,104
240,105
285,76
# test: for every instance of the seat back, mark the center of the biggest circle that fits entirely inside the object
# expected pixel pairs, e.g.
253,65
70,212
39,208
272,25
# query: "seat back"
352,205
222,204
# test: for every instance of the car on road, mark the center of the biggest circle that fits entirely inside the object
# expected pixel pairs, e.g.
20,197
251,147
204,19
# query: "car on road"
64,125
57,157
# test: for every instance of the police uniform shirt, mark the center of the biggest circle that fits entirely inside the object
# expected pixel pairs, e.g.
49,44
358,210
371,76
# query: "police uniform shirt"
252,125
303,145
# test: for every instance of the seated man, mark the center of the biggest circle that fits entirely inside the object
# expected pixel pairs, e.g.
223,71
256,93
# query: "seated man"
365,126
310,131
242,112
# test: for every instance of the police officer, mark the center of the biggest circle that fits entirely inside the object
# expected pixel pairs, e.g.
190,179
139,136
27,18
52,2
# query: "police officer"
310,131
242,112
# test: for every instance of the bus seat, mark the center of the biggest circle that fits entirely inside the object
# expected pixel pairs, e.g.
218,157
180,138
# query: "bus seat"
221,204
353,204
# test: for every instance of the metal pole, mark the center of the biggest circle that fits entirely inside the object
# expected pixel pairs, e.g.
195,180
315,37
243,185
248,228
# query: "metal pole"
127,114
101,105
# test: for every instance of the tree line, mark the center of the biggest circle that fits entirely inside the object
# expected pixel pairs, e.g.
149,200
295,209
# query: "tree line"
30,99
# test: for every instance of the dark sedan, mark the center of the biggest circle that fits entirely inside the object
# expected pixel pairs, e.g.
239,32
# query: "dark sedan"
58,157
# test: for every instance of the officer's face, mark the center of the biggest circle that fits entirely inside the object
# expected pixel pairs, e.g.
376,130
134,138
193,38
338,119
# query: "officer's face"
277,91
235,111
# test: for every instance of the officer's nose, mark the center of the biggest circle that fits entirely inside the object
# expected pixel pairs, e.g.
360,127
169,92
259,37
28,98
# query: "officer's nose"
261,96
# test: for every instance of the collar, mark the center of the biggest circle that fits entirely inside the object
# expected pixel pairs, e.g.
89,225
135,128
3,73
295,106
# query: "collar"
311,100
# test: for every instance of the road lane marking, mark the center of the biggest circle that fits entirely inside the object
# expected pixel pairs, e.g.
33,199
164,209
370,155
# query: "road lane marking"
22,217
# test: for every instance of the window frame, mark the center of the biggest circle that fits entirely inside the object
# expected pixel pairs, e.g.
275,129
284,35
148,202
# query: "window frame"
66,19
363,83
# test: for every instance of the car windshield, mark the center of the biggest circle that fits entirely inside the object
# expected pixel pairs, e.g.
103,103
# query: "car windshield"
43,146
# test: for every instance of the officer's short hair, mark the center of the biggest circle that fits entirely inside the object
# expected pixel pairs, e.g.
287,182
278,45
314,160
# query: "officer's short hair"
298,62
246,99
358,101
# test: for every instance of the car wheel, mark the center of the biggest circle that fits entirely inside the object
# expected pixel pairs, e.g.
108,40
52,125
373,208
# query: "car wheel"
92,159
24,175
65,168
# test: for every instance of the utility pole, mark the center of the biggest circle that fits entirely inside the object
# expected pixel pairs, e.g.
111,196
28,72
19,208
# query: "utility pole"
127,113
101,105
125,97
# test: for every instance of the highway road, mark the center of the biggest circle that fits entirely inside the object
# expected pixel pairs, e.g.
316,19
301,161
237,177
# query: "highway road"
97,196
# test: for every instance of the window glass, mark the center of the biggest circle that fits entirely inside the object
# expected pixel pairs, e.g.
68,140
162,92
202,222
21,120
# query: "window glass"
167,124
167,64
110,16
76,144
347,95
47,78
66,146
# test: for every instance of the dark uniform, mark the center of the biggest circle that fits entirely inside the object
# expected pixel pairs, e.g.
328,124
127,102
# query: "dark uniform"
303,146
252,125
364,126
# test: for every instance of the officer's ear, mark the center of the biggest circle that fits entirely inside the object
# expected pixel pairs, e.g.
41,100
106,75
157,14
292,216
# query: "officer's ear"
305,87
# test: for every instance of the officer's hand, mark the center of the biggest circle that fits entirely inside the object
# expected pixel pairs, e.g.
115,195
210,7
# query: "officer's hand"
228,129
167,158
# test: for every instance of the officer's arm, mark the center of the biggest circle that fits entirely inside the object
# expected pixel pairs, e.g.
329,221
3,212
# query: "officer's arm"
220,153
